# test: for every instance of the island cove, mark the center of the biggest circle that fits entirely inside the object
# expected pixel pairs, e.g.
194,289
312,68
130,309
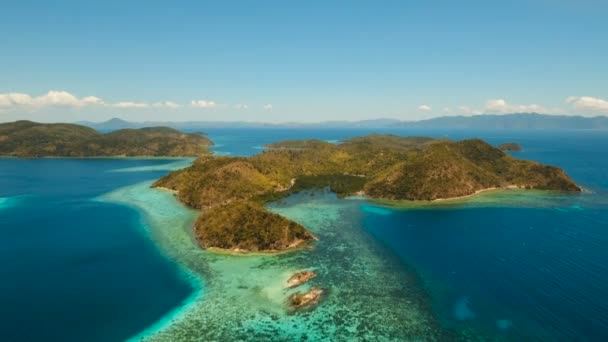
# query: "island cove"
233,191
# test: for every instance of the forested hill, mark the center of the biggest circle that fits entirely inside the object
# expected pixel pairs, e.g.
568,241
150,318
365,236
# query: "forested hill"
31,139
232,190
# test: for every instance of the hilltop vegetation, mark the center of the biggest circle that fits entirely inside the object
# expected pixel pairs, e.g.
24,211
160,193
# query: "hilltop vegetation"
248,226
31,139
379,166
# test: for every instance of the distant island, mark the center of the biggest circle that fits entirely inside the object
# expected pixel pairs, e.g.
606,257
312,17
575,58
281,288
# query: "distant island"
528,121
31,139
510,147
232,191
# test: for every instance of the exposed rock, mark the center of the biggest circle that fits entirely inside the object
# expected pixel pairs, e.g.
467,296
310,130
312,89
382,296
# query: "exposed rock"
300,300
300,278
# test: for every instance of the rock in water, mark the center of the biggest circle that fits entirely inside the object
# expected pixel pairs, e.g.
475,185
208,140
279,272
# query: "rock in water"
300,278
300,300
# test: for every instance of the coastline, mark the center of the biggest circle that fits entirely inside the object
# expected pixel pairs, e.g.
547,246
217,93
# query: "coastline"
513,196
360,195
165,189
477,192
297,246
137,197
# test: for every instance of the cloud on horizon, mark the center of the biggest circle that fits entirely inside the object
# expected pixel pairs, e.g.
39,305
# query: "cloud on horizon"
14,101
424,108
129,105
203,104
579,105
52,98
60,98
588,104
500,106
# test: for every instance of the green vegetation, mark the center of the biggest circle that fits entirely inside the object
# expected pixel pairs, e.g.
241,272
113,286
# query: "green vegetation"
234,189
342,185
512,147
31,139
248,226
298,144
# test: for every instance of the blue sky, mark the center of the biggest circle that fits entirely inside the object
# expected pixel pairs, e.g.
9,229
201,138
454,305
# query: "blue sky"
300,61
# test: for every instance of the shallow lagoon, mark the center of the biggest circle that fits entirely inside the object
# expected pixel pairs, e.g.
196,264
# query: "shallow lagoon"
369,294
392,286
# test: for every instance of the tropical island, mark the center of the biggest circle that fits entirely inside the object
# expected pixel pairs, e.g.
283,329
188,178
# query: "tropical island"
27,139
232,191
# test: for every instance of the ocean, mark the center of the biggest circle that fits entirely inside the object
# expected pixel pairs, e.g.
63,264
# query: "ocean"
89,252
73,268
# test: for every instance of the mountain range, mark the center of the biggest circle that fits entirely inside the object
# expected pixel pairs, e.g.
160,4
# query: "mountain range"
519,121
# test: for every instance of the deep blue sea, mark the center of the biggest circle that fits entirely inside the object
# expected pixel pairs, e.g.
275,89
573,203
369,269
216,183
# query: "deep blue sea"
73,268
516,272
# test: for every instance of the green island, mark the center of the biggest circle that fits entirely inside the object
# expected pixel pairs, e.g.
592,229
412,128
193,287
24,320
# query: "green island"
30,139
232,191
510,147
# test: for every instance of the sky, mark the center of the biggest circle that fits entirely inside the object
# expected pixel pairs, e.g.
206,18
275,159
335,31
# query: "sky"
302,61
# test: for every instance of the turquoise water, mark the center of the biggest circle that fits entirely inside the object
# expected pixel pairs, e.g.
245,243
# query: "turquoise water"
368,294
89,241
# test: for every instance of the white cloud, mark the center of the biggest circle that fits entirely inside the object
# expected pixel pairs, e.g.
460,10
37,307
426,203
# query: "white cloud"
58,98
53,98
497,105
92,100
203,104
130,105
424,108
588,104
500,106
14,99
167,104
268,106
